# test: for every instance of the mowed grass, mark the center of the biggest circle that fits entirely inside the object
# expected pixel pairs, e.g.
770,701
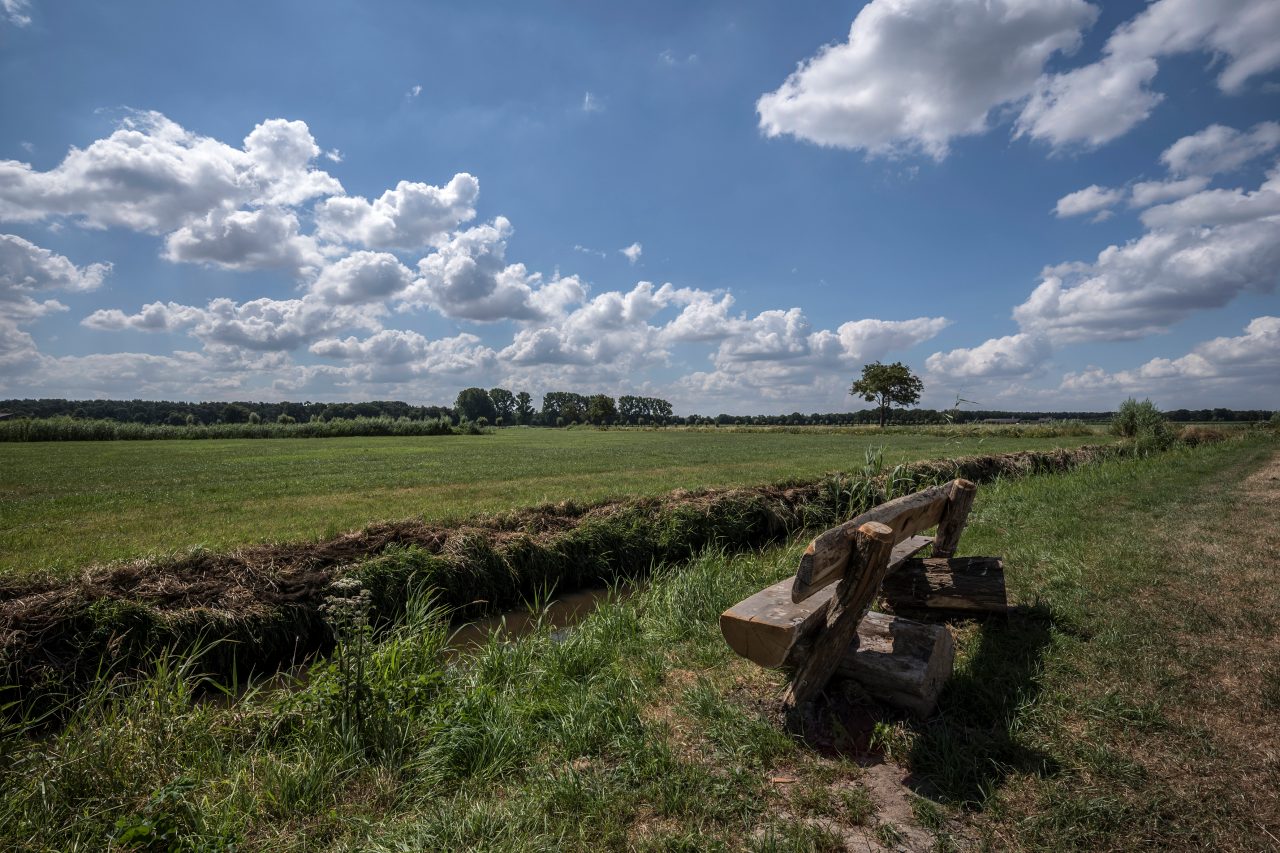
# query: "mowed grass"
67,504
1128,704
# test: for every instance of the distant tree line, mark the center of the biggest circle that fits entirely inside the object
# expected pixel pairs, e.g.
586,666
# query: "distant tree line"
156,412
91,429
917,417
501,407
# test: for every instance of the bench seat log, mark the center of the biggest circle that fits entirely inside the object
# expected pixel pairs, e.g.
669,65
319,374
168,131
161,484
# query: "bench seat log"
825,559
766,627
901,662
966,584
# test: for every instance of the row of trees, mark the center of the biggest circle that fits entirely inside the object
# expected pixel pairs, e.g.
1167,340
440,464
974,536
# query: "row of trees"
560,408
173,413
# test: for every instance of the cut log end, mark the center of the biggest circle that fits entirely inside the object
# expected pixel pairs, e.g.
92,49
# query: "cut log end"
973,585
900,662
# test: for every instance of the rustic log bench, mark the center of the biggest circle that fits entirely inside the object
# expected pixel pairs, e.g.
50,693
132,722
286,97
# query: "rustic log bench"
816,624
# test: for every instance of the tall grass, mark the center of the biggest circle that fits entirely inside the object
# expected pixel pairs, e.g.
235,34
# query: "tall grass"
557,723
76,429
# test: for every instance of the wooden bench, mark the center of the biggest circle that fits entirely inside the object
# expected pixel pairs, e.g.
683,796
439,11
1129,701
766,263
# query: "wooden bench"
816,624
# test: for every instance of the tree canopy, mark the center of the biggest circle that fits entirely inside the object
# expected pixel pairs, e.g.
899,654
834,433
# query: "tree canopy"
887,384
475,403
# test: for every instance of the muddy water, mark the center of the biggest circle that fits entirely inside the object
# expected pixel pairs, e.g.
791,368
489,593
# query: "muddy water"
560,614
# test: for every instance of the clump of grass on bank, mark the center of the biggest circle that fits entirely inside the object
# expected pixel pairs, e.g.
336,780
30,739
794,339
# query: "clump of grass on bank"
1072,725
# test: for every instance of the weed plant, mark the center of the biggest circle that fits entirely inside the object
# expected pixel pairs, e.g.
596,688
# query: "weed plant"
1144,426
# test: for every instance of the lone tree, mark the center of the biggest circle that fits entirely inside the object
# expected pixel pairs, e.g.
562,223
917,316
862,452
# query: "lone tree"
473,404
886,384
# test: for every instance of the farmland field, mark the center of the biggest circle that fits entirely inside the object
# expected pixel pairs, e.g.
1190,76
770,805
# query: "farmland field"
66,504
1123,704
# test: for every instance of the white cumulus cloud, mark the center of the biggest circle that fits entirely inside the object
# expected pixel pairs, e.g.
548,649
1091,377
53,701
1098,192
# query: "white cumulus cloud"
1095,103
915,74
151,174
17,11
468,278
1088,200
363,277
261,325
263,238
1147,193
1010,356
1199,252
26,267
395,355
411,216
1248,363
1219,149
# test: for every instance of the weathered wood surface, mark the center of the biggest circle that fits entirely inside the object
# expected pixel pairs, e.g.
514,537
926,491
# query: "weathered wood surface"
857,589
900,662
767,626
954,516
970,584
825,559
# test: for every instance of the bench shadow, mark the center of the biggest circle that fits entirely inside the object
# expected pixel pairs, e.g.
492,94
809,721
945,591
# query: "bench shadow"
970,744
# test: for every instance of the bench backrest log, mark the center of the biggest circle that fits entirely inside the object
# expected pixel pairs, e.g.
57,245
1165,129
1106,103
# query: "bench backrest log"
946,507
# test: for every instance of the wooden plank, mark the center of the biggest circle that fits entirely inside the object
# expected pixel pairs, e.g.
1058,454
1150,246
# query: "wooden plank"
767,626
954,516
853,597
969,584
824,561
900,662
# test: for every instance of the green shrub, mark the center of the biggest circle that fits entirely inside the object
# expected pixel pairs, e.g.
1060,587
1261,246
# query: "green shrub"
1144,424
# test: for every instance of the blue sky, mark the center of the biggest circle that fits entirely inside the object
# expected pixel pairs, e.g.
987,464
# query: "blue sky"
1037,204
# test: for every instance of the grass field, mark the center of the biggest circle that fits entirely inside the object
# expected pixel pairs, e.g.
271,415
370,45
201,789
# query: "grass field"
67,504
1126,704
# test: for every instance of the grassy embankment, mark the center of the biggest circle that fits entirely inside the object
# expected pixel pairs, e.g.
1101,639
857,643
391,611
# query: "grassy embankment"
66,504
1124,705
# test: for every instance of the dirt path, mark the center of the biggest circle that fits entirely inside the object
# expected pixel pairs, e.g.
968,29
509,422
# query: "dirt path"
1161,721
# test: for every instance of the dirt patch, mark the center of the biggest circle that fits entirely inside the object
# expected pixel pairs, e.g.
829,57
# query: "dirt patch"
1235,644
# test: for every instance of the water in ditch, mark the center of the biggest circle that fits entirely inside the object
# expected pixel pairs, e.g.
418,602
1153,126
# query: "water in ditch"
559,614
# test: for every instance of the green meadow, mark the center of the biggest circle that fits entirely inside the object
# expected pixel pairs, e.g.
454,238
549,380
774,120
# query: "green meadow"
64,505
1126,703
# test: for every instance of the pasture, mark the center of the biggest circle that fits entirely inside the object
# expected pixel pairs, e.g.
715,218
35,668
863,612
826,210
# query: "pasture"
64,505
1123,705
